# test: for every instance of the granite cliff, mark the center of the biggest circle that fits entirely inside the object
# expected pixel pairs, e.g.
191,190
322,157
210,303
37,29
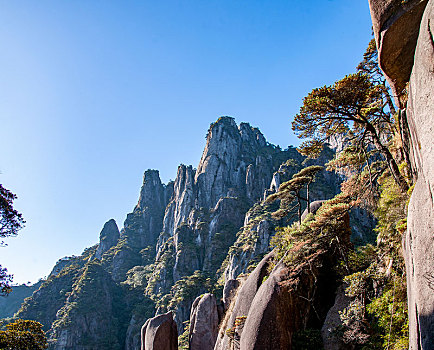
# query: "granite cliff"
404,34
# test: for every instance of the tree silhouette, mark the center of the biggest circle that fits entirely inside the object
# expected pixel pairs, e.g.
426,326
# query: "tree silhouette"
10,222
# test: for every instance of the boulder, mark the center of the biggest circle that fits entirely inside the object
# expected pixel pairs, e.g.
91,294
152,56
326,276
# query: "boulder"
244,298
229,291
396,28
333,321
290,300
160,333
204,322
314,206
262,329
293,298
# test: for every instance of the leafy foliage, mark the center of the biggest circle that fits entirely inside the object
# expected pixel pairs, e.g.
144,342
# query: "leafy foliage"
10,222
23,335
357,107
5,281
359,110
10,219
390,317
328,227
183,339
377,316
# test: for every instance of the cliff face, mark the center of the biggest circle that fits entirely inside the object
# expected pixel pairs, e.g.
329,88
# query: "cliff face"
404,33
207,209
253,239
174,246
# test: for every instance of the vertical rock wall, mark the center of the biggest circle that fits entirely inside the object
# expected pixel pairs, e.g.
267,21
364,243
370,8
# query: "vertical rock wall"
419,240
404,33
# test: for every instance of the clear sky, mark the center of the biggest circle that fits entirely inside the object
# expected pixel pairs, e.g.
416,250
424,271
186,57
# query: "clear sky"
94,92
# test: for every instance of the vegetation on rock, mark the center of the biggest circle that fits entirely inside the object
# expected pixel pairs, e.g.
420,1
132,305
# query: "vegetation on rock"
360,109
10,222
96,300
23,335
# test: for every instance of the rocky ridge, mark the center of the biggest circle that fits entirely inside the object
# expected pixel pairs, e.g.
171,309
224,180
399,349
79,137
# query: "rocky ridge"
173,246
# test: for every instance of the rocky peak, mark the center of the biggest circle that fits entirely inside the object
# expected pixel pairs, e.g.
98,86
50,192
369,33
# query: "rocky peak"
143,225
224,167
252,138
219,161
152,192
107,238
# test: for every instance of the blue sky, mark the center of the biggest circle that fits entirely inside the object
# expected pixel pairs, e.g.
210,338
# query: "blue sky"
92,93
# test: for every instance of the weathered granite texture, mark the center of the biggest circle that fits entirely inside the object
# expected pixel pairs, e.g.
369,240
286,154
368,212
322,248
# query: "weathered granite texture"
419,240
160,333
241,304
204,322
404,33
229,291
396,28
144,224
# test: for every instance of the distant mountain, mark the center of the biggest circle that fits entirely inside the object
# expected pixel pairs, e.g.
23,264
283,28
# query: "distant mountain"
11,303
180,241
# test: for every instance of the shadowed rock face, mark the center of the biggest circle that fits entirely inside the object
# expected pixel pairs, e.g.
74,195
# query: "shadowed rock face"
330,339
204,322
144,224
229,291
160,333
291,299
405,31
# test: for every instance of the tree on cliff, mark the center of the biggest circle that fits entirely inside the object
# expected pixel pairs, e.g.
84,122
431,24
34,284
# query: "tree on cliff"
291,191
358,108
10,219
10,222
353,107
